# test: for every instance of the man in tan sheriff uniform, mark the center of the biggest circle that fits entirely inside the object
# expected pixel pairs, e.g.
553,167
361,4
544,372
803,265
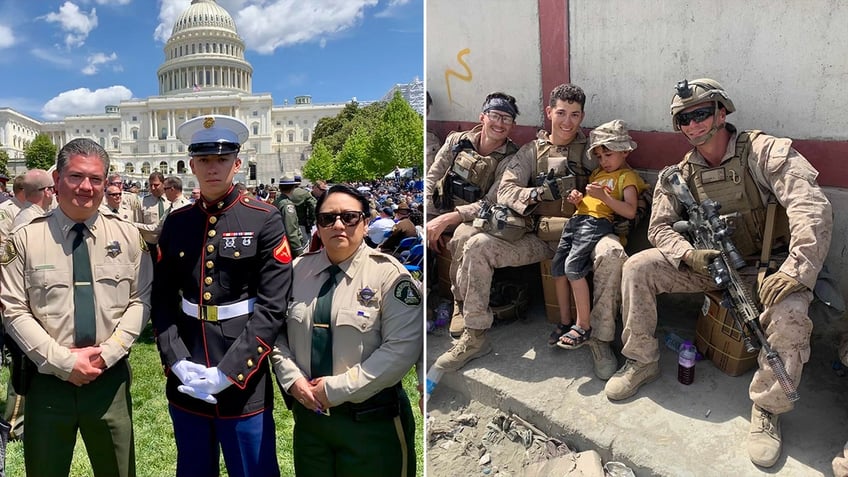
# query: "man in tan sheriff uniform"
75,290
9,209
743,171
376,327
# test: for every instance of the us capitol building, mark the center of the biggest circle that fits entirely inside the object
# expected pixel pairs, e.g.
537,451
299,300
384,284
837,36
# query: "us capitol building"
204,72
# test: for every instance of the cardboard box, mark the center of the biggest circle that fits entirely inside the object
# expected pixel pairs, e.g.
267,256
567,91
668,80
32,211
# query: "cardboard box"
551,303
719,340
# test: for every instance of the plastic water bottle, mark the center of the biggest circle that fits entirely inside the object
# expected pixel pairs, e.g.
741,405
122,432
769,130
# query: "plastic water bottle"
673,341
443,314
434,375
686,363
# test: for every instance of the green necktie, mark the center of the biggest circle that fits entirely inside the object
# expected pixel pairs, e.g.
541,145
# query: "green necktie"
84,327
322,339
161,208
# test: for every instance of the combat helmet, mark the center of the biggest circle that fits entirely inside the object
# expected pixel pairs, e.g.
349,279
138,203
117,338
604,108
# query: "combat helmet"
689,93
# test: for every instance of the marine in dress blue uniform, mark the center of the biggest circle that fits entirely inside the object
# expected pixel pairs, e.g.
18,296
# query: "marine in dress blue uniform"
220,292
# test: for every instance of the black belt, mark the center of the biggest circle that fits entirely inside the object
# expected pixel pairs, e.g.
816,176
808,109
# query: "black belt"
381,406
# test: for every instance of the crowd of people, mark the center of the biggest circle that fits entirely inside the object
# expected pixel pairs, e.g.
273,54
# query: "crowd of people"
575,195
216,274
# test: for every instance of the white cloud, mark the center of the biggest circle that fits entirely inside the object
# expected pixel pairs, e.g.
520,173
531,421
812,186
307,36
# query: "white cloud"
83,101
51,56
97,59
112,2
76,23
7,37
391,9
267,25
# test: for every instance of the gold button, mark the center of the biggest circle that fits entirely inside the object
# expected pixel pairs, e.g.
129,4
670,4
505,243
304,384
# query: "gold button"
260,350
211,233
212,220
210,264
210,248
240,377
182,254
236,254
220,205
250,363
207,280
207,296
246,199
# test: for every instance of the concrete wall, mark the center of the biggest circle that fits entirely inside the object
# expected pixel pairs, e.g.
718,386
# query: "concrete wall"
780,61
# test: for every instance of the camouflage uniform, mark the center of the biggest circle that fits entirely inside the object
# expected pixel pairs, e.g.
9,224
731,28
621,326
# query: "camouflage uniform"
783,173
444,161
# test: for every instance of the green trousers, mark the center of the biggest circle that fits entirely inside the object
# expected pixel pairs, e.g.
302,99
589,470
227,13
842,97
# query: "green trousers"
338,446
102,413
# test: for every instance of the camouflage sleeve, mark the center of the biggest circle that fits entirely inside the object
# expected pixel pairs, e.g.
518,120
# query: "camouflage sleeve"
514,191
311,204
440,166
665,212
793,181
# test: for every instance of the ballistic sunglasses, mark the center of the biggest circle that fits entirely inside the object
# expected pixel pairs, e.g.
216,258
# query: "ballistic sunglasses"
700,114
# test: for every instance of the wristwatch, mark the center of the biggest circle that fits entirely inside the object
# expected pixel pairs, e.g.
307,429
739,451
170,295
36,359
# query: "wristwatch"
534,195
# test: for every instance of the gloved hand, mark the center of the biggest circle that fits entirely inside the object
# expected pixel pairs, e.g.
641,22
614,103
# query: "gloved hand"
777,287
211,381
196,394
699,259
186,370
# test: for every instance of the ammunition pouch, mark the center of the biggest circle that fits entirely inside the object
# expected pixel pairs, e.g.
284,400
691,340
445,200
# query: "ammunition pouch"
502,222
550,228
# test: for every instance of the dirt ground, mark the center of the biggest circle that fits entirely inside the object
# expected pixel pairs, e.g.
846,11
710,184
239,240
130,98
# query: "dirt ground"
466,438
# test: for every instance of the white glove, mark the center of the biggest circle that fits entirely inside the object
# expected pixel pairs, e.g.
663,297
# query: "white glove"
196,394
210,381
186,370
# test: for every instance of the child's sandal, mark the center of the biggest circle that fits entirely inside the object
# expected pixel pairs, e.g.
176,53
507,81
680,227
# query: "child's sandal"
557,333
576,337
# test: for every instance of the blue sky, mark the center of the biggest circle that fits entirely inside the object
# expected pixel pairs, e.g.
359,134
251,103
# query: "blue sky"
64,57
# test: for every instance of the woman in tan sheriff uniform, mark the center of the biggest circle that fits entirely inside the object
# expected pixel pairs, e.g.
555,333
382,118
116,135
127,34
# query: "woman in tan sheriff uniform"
347,348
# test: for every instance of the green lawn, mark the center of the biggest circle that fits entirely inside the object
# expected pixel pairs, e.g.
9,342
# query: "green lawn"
154,441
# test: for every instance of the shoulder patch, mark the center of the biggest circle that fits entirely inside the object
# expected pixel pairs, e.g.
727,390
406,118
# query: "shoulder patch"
407,293
290,209
282,252
9,253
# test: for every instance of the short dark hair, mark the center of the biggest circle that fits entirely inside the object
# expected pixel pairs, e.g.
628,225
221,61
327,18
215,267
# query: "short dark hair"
81,147
569,93
343,189
174,182
156,175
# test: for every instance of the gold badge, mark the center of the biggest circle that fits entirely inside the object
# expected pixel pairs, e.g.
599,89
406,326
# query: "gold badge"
208,122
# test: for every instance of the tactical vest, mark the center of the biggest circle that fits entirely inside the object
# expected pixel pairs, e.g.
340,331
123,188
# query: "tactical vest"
471,174
574,156
732,185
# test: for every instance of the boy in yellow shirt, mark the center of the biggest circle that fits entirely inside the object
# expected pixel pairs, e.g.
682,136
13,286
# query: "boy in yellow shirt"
613,188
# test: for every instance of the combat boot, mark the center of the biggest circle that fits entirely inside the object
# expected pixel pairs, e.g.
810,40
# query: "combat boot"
457,324
629,378
605,362
472,344
764,437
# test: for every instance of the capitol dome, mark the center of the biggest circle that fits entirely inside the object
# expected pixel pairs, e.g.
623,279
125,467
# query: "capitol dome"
205,54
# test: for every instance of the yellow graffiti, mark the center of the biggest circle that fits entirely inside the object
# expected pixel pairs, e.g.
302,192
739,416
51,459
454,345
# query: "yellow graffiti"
449,72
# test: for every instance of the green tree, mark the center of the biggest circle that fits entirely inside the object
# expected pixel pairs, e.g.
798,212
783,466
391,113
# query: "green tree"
398,138
351,161
321,164
333,132
4,162
40,153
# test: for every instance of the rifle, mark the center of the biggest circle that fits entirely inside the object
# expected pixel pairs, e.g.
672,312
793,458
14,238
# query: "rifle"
710,231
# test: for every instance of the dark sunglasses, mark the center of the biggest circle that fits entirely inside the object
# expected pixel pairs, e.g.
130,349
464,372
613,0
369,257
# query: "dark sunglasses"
700,114
349,218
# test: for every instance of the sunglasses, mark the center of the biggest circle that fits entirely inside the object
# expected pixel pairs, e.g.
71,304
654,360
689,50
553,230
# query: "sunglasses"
504,118
349,218
700,114
51,188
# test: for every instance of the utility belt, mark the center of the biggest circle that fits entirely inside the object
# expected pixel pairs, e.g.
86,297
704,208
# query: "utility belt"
218,312
382,406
